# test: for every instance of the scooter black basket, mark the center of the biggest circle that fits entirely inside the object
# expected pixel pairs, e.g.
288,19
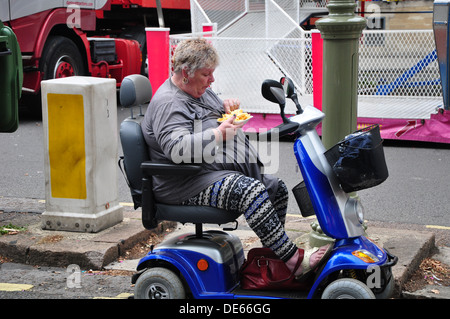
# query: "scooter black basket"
358,160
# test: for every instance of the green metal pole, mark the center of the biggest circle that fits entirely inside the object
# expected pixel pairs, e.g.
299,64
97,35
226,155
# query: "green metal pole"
340,31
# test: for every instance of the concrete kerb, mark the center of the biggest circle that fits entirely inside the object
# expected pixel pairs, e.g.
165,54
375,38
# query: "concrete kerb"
61,249
435,291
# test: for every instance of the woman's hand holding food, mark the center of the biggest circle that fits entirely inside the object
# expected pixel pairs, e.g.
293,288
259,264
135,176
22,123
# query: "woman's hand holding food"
230,105
227,129
233,119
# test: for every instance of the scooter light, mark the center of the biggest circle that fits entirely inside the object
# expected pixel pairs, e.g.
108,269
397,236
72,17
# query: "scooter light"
359,208
365,256
355,207
202,265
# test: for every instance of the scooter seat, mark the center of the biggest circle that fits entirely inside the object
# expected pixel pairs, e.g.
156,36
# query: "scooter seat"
152,211
194,214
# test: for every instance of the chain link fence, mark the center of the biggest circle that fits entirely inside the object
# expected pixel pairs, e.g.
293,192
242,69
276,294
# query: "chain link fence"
257,40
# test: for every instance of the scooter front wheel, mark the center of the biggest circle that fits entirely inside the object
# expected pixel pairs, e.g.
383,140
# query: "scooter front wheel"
159,283
347,288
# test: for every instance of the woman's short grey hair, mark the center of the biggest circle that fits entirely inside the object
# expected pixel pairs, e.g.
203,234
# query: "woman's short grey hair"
193,54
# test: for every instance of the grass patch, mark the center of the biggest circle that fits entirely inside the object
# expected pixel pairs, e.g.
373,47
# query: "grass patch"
11,229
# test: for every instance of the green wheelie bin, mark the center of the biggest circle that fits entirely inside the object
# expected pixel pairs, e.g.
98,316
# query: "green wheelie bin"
11,79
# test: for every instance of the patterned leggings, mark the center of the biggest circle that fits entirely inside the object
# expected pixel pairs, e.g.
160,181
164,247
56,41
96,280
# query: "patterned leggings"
248,196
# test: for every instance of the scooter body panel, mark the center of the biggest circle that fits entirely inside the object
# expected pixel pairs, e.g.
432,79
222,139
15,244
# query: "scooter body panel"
322,197
216,282
342,258
336,218
221,279
222,252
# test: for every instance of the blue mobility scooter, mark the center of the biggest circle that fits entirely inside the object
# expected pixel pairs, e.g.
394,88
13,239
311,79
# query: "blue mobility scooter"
206,264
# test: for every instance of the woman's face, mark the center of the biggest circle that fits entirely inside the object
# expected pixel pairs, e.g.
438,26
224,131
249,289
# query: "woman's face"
201,80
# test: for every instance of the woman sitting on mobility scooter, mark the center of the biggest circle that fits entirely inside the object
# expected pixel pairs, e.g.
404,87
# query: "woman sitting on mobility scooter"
180,125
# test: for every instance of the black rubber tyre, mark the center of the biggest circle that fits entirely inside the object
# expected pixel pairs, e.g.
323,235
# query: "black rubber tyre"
347,288
159,283
61,58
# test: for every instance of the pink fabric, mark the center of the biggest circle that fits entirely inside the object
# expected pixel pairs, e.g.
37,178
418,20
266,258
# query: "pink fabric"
436,129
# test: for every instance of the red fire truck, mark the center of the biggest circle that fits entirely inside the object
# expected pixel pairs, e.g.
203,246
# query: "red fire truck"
101,38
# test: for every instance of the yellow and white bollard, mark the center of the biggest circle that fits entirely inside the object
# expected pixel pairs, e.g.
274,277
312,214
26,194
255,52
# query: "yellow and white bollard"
79,116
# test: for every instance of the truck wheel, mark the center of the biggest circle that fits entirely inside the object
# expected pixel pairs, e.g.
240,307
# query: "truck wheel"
61,58
347,288
159,283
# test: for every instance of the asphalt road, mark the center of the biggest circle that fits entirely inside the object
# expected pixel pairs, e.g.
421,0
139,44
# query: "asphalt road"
416,192
20,281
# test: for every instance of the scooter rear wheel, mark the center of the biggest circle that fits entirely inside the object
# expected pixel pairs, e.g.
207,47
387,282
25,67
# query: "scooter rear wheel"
159,283
347,288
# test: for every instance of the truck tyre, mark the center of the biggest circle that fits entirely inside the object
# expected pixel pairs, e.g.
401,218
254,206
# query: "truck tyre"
159,283
61,58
